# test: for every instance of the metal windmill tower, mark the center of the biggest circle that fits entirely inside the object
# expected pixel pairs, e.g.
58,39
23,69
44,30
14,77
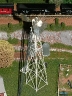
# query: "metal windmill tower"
34,68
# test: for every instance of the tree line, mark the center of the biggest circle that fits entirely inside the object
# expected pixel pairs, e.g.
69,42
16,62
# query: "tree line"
57,2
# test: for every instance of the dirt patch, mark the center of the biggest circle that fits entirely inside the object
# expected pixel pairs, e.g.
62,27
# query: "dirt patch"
6,20
18,55
65,74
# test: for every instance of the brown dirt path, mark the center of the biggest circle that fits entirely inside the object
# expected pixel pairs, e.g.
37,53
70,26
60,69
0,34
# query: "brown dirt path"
64,80
6,20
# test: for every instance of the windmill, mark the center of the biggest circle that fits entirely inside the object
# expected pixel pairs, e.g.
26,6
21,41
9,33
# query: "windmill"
34,68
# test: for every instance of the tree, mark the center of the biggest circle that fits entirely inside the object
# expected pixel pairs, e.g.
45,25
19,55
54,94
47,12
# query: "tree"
57,2
46,1
67,1
9,1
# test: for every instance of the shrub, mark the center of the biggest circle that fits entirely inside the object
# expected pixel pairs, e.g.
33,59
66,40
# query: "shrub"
48,27
56,21
57,2
62,25
6,54
12,41
52,26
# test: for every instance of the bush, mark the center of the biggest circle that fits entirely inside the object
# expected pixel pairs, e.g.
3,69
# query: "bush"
62,25
13,41
56,21
6,54
48,27
57,2
52,26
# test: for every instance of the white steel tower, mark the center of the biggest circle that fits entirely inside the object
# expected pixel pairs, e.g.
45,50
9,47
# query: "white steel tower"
35,69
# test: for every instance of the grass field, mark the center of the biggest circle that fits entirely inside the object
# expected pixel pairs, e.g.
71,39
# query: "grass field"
12,28
61,46
51,27
10,76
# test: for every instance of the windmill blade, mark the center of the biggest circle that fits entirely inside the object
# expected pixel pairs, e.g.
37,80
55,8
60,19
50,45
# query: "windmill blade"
25,18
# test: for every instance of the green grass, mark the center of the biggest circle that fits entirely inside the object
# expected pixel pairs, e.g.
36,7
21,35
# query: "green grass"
12,28
25,41
53,27
13,41
60,55
10,76
60,45
58,28
50,89
68,28
52,73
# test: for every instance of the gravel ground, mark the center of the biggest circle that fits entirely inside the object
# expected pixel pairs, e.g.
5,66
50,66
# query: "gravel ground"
64,37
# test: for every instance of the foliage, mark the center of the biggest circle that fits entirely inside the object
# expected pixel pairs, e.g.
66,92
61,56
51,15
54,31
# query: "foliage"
10,27
6,53
56,21
67,1
30,1
57,26
46,1
9,1
68,28
61,46
26,41
57,2
57,55
62,25
13,41
52,26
